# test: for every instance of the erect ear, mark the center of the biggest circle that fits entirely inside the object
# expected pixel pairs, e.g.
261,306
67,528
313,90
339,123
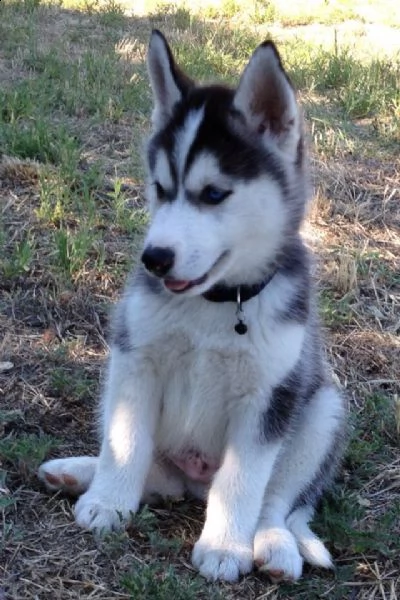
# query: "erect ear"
266,100
168,82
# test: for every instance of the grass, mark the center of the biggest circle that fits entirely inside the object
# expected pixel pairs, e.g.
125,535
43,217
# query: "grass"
74,111
155,582
26,452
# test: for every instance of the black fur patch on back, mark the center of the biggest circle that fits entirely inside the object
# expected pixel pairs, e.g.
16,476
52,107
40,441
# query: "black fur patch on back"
294,259
298,307
288,398
295,264
299,162
282,409
279,415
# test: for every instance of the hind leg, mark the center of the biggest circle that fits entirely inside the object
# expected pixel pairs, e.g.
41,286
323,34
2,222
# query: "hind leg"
283,538
71,476
74,475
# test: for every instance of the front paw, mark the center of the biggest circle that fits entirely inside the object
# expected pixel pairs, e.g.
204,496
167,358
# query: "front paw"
103,513
225,560
276,553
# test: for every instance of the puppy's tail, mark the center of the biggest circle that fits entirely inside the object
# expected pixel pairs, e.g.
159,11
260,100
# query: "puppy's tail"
311,548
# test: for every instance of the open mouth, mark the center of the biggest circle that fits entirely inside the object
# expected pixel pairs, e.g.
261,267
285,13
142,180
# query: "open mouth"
178,286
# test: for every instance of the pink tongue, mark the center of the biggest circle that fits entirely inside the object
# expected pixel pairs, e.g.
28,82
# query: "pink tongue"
174,284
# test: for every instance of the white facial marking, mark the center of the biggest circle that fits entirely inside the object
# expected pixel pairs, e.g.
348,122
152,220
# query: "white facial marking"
186,137
205,171
162,171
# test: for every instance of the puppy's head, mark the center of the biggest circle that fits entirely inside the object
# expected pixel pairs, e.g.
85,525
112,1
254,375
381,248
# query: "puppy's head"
226,184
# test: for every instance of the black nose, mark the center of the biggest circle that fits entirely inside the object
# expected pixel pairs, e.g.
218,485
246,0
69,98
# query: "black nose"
158,260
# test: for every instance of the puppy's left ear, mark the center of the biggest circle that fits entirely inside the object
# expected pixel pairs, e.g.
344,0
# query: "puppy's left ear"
267,101
168,82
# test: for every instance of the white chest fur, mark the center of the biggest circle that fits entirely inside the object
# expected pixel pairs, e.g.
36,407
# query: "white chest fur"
205,369
200,388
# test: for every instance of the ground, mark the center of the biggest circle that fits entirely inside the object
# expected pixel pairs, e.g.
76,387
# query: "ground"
74,113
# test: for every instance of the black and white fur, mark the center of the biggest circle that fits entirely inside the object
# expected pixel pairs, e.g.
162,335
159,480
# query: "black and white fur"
227,192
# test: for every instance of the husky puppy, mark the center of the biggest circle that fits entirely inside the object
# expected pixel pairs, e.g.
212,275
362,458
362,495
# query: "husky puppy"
216,383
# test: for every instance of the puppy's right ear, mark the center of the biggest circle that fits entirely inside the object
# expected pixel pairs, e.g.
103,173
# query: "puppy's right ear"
168,82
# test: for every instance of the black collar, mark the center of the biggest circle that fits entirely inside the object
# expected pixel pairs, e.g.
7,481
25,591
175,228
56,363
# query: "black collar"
224,293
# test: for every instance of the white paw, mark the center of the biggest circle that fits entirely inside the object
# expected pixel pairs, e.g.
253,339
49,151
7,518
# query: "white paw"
101,512
276,553
222,560
69,475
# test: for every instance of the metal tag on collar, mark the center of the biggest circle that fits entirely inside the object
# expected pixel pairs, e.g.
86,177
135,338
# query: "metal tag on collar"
240,327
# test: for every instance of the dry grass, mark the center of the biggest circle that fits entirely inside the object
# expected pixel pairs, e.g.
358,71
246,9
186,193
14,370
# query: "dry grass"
55,297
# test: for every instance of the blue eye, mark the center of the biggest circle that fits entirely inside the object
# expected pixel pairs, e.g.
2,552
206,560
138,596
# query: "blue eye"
213,195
